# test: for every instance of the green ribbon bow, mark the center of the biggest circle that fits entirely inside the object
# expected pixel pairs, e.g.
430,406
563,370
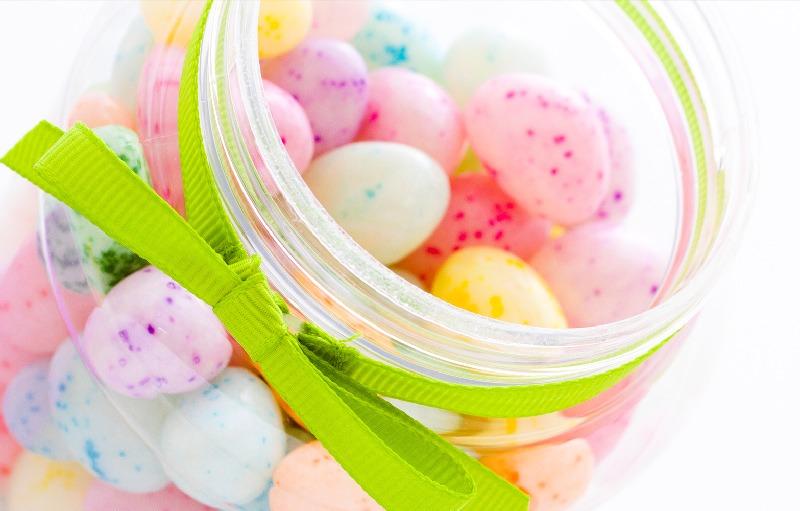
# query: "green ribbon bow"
332,387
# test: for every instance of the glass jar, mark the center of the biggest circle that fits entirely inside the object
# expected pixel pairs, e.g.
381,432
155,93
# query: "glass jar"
666,69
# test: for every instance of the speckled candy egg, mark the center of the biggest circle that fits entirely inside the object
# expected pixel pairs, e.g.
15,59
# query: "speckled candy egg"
131,54
388,197
479,213
310,479
292,125
495,283
338,19
96,428
390,39
40,484
102,497
104,261
221,443
26,410
60,246
157,118
543,143
282,25
329,80
599,275
150,336
555,476
30,319
622,180
97,108
409,108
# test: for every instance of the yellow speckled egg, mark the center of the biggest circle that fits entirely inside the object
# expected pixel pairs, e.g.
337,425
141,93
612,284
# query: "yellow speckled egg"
282,25
498,284
40,484
172,21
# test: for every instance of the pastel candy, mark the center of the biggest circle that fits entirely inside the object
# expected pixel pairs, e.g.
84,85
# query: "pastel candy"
543,144
282,26
104,261
309,479
390,39
259,504
103,497
495,283
98,108
221,443
388,197
30,318
622,181
26,410
40,484
107,433
131,54
338,19
9,452
157,119
481,53
555,476
329,80
60,248
172,21
151,337
479,213
409,108
12,359
599,275
292,125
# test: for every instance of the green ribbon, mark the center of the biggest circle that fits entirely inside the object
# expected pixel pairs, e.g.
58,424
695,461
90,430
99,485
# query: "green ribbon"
332,387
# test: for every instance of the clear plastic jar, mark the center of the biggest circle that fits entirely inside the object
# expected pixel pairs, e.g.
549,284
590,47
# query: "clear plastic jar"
666,71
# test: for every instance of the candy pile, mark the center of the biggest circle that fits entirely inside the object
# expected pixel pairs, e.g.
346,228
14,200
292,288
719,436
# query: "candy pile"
468,172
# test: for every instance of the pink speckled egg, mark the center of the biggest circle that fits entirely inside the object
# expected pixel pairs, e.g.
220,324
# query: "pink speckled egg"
292,124
622,180
102,497
543,143
30,318
96,108
329,80
555,476
338,19
309,479
599,275
157,117
151,337
479,213
409,108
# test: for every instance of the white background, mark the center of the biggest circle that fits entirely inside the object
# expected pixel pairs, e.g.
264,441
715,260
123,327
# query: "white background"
739,448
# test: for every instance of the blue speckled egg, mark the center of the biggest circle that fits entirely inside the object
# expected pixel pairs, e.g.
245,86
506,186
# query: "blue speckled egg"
222,442
107,433
26,410
389,39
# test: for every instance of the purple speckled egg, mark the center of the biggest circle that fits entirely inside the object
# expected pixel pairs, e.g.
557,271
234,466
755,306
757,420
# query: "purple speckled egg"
543,143
599,275
150,336
329,80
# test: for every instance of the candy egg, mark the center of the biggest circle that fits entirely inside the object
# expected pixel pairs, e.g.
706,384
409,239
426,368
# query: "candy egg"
309,478
30,318
26,410
329,80
221,443
107,433
409,108
599,275
338,19
368,186
40,484
292,125
543,144
102,497
61,248
259,504
555,476
150,336
97,108
481,53
172,21
622,180
282,25
104,261
128,62
479,213
390,39
9,451
12,359
157,119
495,283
